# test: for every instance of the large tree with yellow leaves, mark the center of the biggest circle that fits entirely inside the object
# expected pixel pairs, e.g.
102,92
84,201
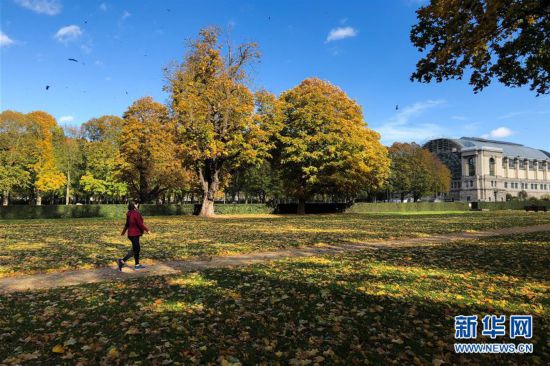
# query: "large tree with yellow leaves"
148,152
46,176
214,112
325,146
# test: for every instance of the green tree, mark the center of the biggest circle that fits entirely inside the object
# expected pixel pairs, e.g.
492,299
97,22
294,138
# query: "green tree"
214,112
101,152
417,172
400,179
17,149
504,39
261,182
150,163
325,146
522,195
68,156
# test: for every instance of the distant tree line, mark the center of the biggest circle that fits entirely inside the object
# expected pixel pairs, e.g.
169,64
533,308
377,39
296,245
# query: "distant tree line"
215,141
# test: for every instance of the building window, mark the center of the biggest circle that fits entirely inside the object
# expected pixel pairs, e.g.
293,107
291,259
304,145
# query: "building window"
541,165
531,164
471,167
492,167
505,184
511,163
522,164
504,162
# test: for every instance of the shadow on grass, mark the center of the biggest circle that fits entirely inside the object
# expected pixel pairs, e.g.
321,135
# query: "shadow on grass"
310,309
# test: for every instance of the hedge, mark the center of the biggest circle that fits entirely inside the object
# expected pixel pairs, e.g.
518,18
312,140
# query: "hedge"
408,207
117,211
512,205
114,211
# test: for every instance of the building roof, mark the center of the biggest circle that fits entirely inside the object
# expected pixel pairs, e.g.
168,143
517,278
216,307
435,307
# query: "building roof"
509,149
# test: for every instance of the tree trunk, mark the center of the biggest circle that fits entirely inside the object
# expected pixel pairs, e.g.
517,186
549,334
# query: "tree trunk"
38,200
207,208
209,177
5,198
68,192
301,206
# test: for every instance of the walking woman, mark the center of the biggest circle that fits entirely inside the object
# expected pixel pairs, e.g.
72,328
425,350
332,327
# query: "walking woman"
135,227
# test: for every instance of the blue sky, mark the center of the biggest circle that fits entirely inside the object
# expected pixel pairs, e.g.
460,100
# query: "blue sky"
361,46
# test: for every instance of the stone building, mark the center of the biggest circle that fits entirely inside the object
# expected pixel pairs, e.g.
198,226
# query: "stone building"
487,170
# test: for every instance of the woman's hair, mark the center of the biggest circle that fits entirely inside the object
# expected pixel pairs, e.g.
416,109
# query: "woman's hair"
132,205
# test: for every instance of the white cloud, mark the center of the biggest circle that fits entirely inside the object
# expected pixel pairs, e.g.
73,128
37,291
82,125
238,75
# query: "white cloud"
103,7
65,119
400,127
68,33
86,49
49,7
5,40
336,34
500,132
126,14
459,118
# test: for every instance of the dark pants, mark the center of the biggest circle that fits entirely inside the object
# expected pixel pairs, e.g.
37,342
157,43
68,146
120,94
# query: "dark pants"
134,251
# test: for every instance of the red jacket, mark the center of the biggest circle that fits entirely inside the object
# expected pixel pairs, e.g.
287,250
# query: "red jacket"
134,224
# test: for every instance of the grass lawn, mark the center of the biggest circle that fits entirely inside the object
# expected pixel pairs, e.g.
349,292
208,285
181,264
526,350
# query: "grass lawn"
386,306
53,245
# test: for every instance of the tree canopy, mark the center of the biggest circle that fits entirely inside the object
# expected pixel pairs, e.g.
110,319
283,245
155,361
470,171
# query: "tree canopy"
325,146
214,111
504,39
417,172
148,152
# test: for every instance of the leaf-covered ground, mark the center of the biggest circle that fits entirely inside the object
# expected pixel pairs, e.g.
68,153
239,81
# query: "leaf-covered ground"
386,306
52,245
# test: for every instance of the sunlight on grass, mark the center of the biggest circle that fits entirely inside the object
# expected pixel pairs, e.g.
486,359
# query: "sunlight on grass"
73,243
191,280
375,305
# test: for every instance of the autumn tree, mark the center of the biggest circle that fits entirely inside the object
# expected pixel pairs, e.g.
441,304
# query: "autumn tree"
150,163
262,180
17,149
442,177
417,172
68,155
214,111
400,178
46,176
102,159
504,39
325,146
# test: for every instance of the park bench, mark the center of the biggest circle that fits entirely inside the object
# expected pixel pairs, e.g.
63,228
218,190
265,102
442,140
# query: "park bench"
535,208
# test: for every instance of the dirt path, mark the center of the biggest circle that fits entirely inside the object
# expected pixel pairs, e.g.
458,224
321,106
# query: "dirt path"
77,277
